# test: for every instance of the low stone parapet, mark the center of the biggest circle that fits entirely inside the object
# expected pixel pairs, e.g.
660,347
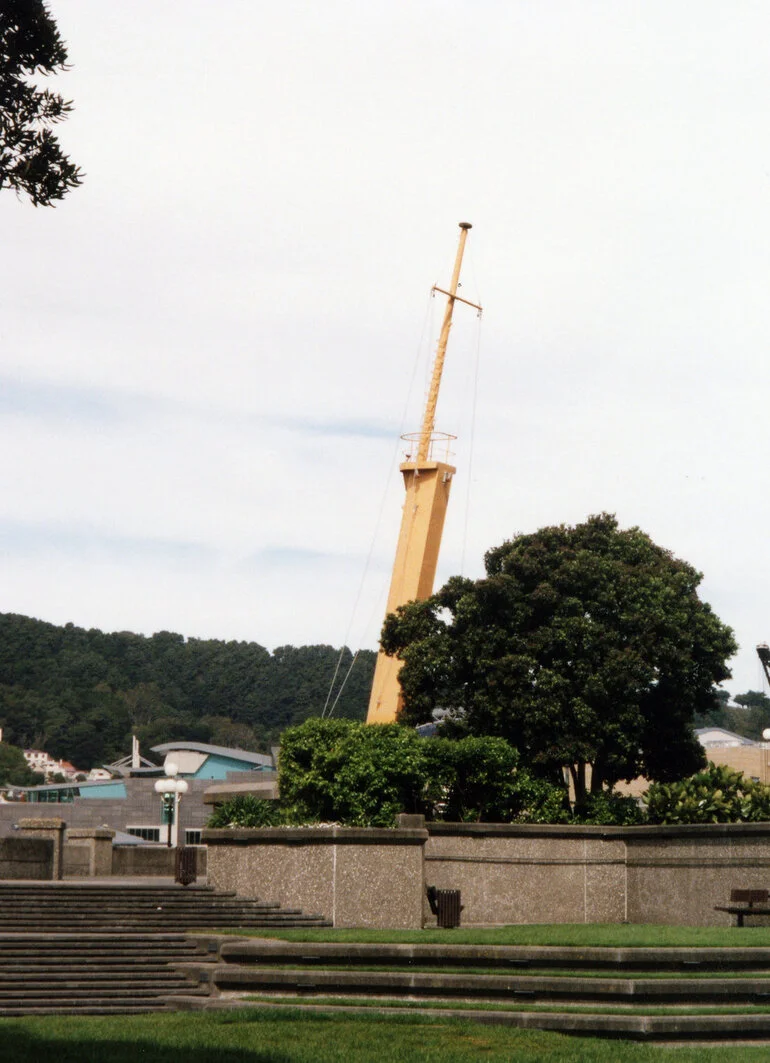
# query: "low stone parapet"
148,861
47,827
352,876
26,858
506,873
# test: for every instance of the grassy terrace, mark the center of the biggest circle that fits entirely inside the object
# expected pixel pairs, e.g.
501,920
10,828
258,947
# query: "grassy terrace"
611,935
274,1030
270,1036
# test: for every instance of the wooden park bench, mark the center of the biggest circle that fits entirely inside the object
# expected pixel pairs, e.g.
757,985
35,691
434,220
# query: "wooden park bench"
746,902
445,905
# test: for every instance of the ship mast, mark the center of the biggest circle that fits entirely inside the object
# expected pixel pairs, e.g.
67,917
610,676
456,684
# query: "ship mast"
427,480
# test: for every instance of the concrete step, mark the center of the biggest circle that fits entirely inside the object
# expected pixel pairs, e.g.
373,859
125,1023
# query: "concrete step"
79,1007
82,949
122,885
513,957
535,988
105,988
129,906
13,976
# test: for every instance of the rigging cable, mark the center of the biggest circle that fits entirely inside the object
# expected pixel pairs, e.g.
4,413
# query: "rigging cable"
427,318
471,442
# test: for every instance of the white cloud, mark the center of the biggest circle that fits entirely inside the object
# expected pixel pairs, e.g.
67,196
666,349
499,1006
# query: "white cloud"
194,337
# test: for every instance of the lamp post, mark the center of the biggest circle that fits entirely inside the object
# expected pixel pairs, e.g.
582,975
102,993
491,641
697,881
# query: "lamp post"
171,789
766,737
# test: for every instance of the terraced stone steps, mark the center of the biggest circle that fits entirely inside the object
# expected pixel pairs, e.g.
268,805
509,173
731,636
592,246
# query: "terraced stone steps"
94,973
267,950
106,949
64,906
490,987
645,993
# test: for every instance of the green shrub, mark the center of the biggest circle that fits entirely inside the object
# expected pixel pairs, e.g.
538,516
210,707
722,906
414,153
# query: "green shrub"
246,810
718,794
610,809
362,775
473,779
540,801
351,773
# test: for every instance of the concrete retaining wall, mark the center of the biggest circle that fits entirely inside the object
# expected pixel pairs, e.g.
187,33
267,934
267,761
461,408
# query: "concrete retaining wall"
355,877
525,874
150,861
26,858
678,874
506,873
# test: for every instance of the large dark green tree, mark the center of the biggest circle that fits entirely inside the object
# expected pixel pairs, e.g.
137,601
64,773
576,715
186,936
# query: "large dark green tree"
31,159
583,645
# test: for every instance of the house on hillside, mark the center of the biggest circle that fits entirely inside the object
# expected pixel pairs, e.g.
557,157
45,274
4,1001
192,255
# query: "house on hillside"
40,761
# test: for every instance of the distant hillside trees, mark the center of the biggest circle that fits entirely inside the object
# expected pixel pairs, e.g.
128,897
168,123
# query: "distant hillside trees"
80,694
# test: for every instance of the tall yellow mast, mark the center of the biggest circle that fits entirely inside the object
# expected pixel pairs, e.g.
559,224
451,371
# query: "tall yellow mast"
427,480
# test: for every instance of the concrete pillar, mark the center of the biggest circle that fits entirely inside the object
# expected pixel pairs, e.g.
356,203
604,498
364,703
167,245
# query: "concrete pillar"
88,851
53,828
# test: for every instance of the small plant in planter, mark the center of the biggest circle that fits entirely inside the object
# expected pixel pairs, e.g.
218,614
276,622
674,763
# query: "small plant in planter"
246,810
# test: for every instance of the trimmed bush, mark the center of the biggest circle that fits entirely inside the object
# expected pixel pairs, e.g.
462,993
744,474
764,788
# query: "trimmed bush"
718,794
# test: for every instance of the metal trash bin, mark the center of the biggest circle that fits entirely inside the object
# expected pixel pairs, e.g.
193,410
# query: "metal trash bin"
446,906
186,865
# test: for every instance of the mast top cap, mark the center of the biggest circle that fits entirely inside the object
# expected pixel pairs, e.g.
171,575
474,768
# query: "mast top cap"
465,225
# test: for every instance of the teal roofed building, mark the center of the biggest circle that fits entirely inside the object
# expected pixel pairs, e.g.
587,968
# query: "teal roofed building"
196,760
126,801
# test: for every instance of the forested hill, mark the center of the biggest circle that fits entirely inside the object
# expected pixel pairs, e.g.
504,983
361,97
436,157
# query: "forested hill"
81,694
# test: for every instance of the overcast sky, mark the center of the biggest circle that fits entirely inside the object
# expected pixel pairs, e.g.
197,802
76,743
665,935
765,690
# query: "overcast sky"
207,351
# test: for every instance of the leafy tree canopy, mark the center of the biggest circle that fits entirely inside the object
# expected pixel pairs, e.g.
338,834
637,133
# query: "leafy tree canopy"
31,160
583,645
753,717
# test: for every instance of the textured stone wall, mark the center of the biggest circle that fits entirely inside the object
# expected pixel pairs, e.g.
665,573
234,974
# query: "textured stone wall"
47,827
26,858
151,861
677,874
524,874
353,877
506,873
552,874
88,852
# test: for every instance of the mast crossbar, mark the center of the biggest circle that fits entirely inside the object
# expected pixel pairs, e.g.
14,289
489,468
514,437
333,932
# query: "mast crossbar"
457,298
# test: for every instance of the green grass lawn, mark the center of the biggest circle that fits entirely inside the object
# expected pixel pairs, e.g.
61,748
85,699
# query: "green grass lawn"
615,935
268,1036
